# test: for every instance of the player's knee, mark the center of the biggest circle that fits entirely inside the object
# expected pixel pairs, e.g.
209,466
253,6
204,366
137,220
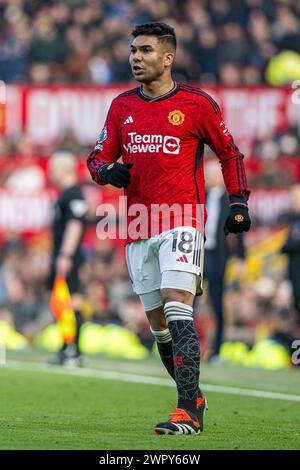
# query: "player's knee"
177,295
157,319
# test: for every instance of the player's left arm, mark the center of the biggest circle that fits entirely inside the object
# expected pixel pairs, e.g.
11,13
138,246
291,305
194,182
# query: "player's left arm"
214,132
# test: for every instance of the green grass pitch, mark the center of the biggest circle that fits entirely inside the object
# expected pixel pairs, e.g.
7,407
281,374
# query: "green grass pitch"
51,410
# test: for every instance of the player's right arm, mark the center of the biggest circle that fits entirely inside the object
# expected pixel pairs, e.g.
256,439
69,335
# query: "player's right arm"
102,161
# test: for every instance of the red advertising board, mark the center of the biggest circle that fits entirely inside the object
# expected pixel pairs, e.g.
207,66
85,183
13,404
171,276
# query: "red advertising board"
31,212
46,112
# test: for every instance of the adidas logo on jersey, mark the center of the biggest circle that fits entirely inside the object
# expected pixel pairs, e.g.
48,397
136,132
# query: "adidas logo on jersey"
183,259
128,120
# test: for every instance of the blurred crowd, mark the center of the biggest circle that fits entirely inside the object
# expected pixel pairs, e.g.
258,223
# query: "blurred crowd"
105,286
255,304
226,42
229,42
254,308
273,160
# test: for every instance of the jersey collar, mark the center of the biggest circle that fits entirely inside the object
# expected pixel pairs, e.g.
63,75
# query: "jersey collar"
165,96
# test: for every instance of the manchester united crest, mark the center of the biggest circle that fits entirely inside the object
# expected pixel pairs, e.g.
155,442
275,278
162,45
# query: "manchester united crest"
239,218
176,117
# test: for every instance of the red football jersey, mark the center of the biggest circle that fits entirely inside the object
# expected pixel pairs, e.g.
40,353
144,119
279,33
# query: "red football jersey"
164,138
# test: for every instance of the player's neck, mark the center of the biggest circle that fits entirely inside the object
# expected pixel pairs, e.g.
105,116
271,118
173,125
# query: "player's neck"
158,88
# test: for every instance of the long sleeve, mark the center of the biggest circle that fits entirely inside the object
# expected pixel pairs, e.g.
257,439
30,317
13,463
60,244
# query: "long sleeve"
292,244
215,133
108,145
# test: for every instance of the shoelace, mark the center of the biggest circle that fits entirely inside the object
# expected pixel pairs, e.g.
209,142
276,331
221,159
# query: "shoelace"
179,415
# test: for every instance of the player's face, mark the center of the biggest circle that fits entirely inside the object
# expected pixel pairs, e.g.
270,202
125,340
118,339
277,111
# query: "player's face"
148,59
295,198
55,173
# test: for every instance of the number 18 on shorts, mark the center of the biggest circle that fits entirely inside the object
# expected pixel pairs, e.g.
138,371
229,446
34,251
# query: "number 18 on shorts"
179,249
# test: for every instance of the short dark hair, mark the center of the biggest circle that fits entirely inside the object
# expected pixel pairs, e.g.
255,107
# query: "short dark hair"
162,31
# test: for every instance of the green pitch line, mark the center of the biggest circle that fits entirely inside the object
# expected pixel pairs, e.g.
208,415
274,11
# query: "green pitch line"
150,380
281,381
65,410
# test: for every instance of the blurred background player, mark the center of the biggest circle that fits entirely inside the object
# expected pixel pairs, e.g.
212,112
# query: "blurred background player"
292,246
217,248
68,227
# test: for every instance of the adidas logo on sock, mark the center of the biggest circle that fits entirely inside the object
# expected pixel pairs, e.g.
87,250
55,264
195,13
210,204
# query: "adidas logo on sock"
128,120
183,259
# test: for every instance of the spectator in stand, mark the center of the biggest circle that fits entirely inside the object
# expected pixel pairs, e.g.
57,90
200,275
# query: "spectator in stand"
292,246
35,38
46,45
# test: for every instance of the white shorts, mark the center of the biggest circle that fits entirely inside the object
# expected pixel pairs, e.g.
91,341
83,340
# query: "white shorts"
162,261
